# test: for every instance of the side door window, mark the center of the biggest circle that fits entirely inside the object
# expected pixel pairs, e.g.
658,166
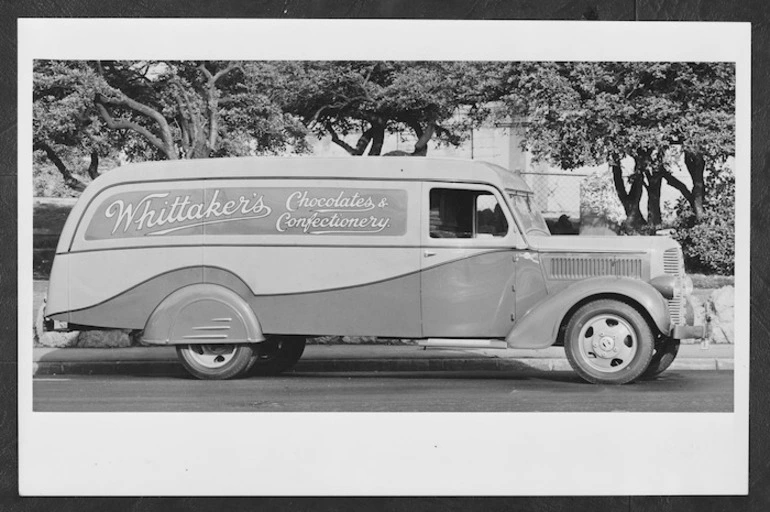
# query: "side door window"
462,213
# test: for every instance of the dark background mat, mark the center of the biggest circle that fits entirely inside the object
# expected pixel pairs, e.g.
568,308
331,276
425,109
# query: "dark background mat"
757,12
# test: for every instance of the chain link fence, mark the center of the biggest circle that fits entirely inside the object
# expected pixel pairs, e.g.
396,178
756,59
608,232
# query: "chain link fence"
556,194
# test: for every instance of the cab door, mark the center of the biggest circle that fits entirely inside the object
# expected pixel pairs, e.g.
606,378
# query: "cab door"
468,262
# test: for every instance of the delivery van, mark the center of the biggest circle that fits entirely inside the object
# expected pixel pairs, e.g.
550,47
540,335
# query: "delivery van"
237,261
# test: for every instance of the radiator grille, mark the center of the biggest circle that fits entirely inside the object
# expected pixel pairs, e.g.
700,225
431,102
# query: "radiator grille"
581,268
673,264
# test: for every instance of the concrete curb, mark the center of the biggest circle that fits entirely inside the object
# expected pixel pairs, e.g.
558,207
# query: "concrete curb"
319,358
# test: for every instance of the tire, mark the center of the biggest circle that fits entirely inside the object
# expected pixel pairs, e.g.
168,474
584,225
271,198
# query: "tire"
608,342
216,362
278,354
666,350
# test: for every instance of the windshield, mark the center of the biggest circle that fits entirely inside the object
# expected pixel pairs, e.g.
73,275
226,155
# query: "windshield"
532,221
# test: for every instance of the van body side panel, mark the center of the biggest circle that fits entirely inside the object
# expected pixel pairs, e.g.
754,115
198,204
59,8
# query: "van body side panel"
387,309
286,270
57,297
97,276
327,290
131,309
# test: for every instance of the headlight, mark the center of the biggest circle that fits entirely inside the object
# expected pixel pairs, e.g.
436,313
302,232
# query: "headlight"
669,286
678,288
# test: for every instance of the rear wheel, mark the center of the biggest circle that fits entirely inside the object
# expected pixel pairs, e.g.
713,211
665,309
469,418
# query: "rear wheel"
608,342
216,362
666,350
277,354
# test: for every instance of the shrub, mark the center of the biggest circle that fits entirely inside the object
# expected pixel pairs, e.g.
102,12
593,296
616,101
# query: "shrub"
709,244
598,198
47,182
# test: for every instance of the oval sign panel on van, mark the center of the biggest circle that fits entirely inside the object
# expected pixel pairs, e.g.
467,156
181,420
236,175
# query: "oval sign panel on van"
250,211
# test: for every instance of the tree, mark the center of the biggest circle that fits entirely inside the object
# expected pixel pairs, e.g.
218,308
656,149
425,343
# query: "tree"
708,242
704,124
149,110
190,109
375,98
589,113
64,125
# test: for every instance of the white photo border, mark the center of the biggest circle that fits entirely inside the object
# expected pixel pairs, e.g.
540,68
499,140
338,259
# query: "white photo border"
383,453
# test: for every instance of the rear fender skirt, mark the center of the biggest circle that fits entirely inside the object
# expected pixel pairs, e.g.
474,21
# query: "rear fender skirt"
539,327
203,313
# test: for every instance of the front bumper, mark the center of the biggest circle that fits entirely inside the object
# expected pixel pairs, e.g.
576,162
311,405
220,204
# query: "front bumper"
686,330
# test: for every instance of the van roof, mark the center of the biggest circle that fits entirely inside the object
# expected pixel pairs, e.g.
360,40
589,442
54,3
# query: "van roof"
419,168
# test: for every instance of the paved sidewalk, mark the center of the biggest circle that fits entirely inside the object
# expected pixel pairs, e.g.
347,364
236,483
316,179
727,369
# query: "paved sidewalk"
348,358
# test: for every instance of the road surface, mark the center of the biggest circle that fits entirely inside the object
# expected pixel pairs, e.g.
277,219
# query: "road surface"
673,391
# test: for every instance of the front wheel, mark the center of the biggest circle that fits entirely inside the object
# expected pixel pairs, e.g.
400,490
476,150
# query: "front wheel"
216,362
608,342
666,350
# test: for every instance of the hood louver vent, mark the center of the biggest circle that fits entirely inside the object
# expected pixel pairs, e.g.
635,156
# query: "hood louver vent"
581,268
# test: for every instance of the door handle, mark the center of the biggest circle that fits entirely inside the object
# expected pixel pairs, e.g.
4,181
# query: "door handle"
428,254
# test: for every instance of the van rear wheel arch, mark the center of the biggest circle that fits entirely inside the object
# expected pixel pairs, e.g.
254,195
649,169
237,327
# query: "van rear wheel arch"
204,313
214,329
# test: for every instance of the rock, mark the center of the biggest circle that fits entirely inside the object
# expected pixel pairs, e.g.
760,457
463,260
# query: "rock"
723,300
721,309
55,339
698,310
112,338
52,339
324,340
695,314
359,340
136,339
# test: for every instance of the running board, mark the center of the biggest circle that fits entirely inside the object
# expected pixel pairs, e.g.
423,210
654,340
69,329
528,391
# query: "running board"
462,343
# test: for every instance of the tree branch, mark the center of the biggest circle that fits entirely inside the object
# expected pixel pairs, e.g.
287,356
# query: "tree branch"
164,143
341,143
122,124
677,184
212,101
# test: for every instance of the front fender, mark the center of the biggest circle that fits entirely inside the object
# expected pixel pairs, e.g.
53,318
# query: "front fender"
539,327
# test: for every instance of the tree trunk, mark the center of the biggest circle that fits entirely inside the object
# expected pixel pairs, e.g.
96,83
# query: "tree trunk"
70,180
634,217
421,146
199,149
629,199
378,139
93,167
654,216
696,164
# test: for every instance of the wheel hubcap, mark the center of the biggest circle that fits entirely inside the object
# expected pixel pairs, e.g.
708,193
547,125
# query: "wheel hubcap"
212,356
607,343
